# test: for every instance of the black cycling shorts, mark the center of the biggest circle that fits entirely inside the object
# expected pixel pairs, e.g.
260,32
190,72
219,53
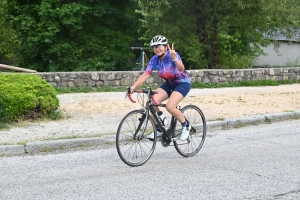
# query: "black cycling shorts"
182,88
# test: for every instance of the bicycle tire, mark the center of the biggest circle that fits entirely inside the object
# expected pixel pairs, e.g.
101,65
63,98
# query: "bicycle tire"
194,143
135,151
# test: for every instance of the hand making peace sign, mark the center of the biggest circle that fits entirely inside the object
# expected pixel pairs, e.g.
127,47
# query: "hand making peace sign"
172,52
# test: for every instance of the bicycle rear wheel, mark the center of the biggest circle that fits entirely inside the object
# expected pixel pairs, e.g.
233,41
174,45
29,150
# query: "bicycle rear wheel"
131,140
194,143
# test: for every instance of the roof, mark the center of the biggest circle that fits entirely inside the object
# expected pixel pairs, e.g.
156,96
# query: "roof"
292,36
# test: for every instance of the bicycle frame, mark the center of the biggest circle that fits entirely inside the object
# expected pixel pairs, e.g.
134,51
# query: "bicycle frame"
149,107
167,133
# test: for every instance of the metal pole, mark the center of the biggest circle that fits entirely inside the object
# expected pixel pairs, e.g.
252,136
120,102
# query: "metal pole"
143,55
17,68
143,61
141,48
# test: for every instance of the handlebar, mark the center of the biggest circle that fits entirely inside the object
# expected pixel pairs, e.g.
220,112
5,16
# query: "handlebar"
145,91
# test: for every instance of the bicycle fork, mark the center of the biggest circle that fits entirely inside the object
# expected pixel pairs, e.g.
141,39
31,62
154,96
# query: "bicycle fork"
142,119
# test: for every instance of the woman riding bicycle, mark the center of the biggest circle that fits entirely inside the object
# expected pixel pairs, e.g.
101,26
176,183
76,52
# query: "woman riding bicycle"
177,81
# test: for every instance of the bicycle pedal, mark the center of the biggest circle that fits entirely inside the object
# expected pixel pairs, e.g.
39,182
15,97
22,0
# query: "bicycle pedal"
177,138
157,138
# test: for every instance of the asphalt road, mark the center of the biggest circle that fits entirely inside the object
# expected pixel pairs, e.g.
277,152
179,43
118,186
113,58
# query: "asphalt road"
254,162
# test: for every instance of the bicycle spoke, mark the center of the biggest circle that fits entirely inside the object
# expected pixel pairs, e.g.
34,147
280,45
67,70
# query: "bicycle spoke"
132,145
193,144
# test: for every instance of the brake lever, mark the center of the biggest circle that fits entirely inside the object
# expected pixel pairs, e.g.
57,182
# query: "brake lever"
128,92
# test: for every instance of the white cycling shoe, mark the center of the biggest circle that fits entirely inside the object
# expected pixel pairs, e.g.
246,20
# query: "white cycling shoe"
151,136
185,132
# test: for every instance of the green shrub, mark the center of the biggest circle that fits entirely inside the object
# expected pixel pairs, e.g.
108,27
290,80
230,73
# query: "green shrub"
3,107
237,62
26,96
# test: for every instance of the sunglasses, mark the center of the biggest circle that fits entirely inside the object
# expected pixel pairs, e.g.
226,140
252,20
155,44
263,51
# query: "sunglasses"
157,46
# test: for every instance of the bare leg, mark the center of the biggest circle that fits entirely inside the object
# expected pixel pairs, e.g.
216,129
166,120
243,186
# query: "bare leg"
160,97
173,101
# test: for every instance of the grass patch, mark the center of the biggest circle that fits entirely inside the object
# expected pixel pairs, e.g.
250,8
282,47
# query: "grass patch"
244,83
4,126
65,137
240,99
111,89
296,116
239,125
218,119
22,143
56,115
225,127
288,81
111,142
46,149
62,90
79,136
268,120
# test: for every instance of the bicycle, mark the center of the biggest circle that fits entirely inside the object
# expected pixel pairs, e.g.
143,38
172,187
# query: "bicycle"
133,146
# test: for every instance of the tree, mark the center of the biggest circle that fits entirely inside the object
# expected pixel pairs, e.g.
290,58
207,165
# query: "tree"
214,32
8,39
73,35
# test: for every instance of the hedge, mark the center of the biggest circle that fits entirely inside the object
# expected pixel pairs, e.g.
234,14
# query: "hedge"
26,96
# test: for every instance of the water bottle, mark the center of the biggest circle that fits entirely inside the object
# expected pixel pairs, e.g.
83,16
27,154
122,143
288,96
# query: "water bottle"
163,118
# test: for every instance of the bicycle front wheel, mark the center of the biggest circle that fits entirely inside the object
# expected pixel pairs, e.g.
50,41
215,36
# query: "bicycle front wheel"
194,143
131,140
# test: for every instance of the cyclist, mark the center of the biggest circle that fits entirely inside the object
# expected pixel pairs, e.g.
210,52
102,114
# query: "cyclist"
177,81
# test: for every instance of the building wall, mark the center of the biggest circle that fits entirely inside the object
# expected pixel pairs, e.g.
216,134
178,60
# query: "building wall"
288,54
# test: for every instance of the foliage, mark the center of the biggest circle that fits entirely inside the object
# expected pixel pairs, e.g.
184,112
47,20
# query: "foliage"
95,35
4,100
8,39
293,62
26,96
71,35
216,32
236,61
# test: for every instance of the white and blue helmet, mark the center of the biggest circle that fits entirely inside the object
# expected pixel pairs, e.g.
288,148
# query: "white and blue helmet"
159,39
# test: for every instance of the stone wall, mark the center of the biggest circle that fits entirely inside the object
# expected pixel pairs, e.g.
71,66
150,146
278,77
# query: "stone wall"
127,78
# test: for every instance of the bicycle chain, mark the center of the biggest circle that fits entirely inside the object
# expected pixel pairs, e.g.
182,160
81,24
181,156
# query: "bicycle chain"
165,141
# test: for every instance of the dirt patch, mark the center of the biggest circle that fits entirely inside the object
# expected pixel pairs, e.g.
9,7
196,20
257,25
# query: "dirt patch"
216,104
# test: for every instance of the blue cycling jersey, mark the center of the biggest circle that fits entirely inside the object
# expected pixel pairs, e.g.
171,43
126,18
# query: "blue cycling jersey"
167,69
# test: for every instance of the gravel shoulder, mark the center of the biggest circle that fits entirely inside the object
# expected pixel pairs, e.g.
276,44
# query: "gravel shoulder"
98,114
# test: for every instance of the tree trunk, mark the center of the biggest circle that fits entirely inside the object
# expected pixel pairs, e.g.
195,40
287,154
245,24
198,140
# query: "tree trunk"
207,31
214,46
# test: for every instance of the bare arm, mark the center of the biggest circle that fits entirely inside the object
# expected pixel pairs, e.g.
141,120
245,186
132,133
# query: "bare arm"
179,65
173,56
142,79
